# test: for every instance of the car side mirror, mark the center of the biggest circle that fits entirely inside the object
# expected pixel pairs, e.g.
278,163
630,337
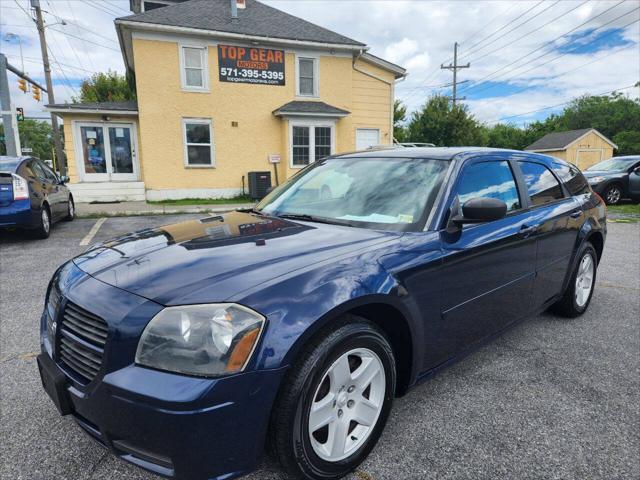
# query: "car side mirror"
64,179
481,210
637,170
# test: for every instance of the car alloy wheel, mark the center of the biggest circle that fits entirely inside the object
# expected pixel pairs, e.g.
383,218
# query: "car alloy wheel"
584,280
347,404
613,195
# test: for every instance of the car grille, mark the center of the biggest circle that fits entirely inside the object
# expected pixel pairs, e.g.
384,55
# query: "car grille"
83,336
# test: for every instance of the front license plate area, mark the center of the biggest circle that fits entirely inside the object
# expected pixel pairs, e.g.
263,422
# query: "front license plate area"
54,383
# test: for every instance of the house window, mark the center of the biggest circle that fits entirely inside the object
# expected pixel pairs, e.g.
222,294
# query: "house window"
307,79
310,143
199,148
147,6
194,68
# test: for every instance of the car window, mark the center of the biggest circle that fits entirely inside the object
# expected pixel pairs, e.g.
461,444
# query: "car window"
38,170
542,185
50,174
573,179
27,169
489,180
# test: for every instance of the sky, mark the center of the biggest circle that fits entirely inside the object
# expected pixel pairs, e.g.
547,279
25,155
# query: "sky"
524,56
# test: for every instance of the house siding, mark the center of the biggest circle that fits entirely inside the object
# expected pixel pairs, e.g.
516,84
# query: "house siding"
162,105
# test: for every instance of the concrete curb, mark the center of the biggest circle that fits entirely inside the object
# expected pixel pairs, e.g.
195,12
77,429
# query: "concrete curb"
160,210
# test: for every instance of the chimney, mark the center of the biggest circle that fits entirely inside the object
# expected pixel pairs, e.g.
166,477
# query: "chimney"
235,5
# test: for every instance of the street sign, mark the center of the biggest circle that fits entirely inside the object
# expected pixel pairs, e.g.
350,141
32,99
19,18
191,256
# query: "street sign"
27,150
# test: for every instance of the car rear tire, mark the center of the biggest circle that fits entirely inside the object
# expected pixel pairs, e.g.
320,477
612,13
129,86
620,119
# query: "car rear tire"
71,210
44,228
613,194
578,295
335,402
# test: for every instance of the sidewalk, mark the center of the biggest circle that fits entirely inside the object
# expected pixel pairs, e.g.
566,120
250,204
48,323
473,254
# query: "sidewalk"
126,209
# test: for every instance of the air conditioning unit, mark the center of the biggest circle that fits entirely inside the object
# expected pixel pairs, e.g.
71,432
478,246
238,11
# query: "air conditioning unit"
259,184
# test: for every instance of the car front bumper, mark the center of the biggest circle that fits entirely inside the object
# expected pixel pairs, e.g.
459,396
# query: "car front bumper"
173,425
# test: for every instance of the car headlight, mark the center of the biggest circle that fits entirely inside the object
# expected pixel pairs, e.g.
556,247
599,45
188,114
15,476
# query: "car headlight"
208,340
596,179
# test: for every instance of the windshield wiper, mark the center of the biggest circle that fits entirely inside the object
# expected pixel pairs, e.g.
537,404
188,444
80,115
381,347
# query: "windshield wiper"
310,218
250,210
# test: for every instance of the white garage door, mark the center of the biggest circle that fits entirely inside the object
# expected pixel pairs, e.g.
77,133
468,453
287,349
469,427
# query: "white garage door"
367,137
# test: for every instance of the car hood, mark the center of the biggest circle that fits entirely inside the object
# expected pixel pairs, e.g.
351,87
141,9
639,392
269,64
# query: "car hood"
215,257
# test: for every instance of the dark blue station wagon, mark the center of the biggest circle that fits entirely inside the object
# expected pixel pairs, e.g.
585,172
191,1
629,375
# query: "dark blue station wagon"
187,349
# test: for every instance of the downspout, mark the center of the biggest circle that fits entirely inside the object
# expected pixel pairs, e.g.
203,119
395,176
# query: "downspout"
391,85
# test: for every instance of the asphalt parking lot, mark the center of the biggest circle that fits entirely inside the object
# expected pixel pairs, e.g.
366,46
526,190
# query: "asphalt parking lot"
552,398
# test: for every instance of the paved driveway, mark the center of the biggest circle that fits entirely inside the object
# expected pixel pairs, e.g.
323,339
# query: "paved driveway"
552,398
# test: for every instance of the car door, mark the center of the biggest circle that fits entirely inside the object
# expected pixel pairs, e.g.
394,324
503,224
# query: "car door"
487,270
559,216
634,182
38,183
57,193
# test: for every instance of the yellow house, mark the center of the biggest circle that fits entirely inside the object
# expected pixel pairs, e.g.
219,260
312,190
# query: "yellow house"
583,147
224,88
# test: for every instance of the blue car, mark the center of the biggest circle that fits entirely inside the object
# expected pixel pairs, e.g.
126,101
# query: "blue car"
187,349
32,196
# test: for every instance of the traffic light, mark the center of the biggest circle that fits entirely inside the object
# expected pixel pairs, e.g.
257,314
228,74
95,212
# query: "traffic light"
20,114
36,93
22,84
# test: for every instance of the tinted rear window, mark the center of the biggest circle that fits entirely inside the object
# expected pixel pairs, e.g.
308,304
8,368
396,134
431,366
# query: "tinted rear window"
573,179
9,164
542,185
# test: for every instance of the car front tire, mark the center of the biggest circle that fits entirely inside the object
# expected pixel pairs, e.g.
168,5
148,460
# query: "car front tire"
613,194
335,402
577,297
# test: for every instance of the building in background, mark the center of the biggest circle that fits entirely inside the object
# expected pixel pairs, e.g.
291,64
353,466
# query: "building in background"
225,87
583,148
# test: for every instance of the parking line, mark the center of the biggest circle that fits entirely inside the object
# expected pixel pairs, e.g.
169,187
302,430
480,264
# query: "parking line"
92,233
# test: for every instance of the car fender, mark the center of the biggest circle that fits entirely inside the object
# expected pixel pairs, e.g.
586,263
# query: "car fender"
300,307
590,225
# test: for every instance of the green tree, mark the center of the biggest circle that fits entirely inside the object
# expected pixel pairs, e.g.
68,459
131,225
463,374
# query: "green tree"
399,117
34,134
628,142
443,124
106,87
609,114
504,135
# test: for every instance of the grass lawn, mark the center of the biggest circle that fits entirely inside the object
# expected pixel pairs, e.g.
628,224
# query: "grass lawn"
204,201
625,213
633,208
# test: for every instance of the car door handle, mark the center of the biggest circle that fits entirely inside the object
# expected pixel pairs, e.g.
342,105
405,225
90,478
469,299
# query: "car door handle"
576,214
526,230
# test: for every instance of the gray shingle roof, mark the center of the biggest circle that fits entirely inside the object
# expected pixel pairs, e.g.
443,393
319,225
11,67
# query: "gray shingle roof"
257,19
557,140
300,107
131,105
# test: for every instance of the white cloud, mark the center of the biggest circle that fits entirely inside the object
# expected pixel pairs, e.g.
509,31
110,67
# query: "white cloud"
417,34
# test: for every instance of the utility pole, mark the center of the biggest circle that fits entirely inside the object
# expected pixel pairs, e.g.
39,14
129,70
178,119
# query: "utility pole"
60,160
9,118
454,67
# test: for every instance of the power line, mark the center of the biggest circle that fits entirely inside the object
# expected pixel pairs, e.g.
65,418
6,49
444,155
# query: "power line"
483,79
75,53
558,105
80,38
558,56
573,69
435,73
471,52
486,54
39,62
454,68
506,25
84,43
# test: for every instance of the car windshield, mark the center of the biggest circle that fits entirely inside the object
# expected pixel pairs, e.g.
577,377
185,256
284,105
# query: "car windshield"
613,165
370,192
